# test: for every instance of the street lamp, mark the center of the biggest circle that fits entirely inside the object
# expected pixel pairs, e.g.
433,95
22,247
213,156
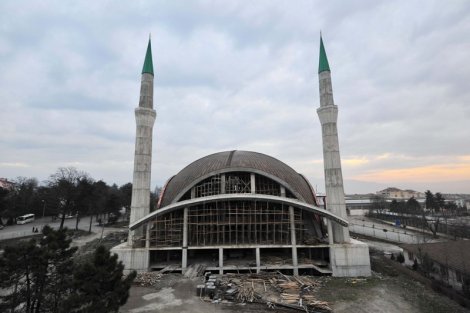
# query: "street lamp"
43,207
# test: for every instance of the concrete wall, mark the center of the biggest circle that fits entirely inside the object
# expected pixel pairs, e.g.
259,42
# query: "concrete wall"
350,259
358,212
399,235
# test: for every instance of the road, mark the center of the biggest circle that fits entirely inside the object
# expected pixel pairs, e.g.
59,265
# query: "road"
15,231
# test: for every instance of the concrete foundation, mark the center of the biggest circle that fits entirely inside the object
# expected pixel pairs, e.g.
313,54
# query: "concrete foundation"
133,258
350,259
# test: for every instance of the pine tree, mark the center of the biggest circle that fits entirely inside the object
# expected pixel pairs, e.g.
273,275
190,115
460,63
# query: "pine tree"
16,272
37,274
56,279
41,277
98,285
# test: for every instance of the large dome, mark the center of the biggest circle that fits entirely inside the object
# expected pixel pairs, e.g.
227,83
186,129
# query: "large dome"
237,161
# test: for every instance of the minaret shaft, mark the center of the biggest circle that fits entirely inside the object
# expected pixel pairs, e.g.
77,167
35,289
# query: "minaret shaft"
145,117
146,91
328,114
140,203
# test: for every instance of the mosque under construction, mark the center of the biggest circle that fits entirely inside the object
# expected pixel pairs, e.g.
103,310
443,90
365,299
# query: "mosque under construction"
241,211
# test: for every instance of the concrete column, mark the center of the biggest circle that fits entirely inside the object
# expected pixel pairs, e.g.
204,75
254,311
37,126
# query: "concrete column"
185,227
258,260
330,232
293,241
283,191
147,236
184,254
221,260
222,183
184,258
193,193
253,182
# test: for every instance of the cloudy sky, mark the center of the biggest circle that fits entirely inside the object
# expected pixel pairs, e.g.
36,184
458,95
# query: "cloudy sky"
238,75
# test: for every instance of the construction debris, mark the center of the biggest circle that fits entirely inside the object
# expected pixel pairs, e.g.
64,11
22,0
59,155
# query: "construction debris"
147,279
194,270
273,289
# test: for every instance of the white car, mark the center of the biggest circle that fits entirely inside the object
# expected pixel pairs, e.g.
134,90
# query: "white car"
67,216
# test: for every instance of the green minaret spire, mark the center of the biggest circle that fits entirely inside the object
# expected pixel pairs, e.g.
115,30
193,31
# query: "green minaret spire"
323,64
148,63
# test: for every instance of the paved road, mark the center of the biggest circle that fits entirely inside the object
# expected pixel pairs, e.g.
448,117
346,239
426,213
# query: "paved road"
15,231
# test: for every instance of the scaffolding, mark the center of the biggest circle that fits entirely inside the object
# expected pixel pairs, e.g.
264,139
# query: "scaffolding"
235,182
208,187
167,230
267,186
229,223
238,182
238,222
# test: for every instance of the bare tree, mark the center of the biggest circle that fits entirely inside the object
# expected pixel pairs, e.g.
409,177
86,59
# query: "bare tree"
64,182
432,224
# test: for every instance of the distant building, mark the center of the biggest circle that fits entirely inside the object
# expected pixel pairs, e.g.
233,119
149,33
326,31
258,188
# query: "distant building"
358,206
399,194
465,203
450,261
462,200
5,184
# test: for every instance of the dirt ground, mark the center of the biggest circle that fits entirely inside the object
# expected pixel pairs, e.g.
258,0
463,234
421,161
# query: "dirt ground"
386,291
177,294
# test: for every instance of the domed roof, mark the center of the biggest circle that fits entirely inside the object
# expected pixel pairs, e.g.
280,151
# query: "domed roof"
237,161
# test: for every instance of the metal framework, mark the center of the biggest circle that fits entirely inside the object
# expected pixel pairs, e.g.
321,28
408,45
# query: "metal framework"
229,223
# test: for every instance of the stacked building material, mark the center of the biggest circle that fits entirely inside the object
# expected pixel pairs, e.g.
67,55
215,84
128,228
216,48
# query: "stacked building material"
274,289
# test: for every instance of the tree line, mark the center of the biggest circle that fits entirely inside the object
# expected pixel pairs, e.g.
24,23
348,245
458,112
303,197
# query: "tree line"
68,191
434,215
434,204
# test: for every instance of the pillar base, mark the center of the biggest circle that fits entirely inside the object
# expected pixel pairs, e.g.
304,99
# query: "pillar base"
350,259
133,259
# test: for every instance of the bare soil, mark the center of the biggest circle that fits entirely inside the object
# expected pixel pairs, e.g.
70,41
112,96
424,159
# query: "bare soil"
385,291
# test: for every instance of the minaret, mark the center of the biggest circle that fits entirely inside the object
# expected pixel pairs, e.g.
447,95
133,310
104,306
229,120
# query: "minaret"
328,114
145,118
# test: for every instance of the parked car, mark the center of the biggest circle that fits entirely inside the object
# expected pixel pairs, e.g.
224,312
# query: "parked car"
67,216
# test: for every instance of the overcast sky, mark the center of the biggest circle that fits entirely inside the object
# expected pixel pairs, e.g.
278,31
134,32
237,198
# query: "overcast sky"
238,75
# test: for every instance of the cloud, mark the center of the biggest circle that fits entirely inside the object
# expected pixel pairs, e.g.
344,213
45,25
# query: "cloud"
236,75
432,173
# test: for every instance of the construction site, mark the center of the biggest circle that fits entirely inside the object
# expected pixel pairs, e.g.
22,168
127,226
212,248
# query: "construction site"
221,213
241,211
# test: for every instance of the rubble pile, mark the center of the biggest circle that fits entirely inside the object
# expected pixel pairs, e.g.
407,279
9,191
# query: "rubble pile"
272,289
147,279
